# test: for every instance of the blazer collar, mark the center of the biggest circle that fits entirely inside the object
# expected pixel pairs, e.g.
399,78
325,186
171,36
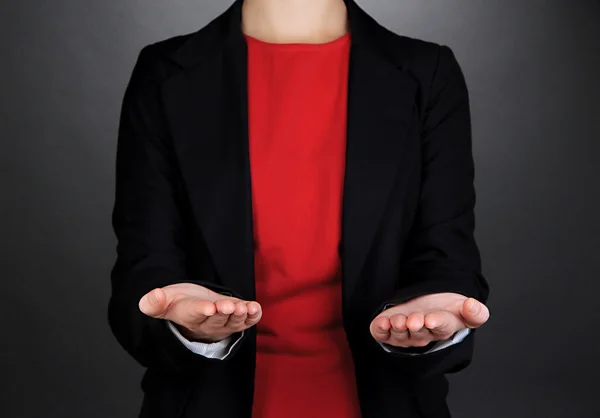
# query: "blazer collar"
226,30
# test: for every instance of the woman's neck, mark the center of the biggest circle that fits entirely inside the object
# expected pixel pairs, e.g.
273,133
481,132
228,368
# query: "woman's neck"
295,21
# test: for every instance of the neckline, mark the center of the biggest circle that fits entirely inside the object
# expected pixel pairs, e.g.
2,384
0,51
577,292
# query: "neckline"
342,40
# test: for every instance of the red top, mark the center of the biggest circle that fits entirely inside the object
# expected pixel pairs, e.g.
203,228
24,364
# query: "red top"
297,132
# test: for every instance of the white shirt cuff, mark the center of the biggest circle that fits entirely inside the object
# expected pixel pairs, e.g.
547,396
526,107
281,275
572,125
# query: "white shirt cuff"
217,350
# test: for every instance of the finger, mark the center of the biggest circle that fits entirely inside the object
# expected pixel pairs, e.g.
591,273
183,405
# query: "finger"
254,313
415,322
442,324
401,335
225,307
380,329
237,320
398,331
154,303
474,313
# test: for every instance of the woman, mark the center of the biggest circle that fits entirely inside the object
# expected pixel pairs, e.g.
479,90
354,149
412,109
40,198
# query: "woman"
295,212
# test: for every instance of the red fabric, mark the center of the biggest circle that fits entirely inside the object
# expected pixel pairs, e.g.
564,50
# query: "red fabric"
297,132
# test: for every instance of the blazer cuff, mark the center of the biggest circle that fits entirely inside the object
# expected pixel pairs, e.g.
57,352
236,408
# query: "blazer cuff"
218,350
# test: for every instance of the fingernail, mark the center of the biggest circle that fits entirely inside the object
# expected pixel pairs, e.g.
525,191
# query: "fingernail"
474,306
153,298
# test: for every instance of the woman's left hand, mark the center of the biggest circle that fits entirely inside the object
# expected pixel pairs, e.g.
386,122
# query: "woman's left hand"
428,318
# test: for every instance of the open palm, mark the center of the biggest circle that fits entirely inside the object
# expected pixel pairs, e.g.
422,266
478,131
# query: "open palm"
428,318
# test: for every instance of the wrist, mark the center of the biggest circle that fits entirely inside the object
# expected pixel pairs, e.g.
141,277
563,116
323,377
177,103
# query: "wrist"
198,337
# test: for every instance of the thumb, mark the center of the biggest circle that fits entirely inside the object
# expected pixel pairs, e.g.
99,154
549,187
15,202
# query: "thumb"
154,303
474,313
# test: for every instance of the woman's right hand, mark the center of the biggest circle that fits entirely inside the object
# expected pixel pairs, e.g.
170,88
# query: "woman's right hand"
199,313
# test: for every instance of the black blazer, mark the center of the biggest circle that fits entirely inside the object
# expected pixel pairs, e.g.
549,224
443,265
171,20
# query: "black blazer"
182,211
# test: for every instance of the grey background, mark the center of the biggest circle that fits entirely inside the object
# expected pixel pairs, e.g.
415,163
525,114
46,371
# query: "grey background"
532,68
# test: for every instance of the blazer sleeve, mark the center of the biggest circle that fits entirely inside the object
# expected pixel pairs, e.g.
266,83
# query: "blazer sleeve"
441,254
149,225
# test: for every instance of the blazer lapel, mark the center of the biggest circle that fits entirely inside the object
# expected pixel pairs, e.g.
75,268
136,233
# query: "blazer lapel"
208,107
380,107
